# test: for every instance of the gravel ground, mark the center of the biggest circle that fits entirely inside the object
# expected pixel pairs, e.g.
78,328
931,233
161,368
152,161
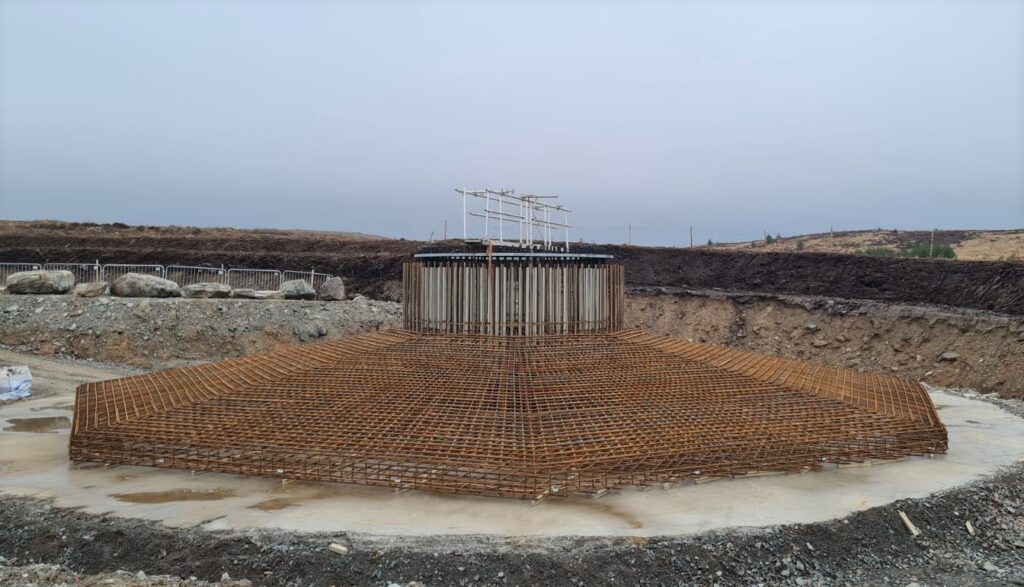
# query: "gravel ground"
872,547
165,332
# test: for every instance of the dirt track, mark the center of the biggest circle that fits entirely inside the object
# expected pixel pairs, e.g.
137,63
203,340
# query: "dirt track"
373,267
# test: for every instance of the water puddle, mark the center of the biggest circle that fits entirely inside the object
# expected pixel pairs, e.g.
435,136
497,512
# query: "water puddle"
273,505
306,491
62,407
39,425
174,495
607,508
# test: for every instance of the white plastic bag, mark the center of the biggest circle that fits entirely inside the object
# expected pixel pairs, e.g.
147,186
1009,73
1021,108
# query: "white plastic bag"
15,383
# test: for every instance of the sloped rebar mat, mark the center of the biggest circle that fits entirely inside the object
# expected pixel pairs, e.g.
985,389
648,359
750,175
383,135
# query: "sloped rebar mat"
508,416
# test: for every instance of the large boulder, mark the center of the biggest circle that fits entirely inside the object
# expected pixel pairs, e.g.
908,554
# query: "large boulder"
91,290
137,285
40,282
253,294
333,289
206,290
298,289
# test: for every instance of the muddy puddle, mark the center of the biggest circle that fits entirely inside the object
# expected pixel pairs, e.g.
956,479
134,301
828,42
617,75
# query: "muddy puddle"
38,425
304,491
64,407
607,508
172,495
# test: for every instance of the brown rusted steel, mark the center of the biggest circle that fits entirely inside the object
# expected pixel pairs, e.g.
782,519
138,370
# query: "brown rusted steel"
512,416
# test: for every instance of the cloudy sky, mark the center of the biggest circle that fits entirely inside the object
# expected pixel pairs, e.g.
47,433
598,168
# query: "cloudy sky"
732,117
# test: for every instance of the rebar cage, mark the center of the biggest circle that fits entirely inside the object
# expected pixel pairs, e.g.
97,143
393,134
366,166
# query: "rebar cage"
510,416
512,377
513,293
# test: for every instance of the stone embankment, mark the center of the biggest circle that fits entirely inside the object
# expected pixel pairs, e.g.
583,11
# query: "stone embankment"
165,332
945,347
940,346
136,285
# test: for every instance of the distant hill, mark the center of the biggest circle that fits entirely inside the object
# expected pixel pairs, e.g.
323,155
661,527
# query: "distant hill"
38,226
968,245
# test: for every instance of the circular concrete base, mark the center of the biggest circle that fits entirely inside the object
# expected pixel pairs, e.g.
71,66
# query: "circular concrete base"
33,462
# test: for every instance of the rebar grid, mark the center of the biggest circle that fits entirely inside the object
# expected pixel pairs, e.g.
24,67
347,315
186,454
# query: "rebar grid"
510,416
527,296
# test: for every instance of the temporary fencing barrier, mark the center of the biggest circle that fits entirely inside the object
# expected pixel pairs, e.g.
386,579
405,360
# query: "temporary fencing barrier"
259,279
314,279
83,272
12,268
188,274
112,272
254,279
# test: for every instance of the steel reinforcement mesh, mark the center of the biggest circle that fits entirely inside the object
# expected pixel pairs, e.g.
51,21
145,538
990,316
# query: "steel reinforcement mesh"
525,417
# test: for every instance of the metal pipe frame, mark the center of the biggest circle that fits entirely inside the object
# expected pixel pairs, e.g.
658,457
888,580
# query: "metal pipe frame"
530,213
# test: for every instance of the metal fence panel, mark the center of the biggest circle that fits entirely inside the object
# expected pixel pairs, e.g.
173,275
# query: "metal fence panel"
83,272
254,279
260,279
12,268
314,279
187,274
113,271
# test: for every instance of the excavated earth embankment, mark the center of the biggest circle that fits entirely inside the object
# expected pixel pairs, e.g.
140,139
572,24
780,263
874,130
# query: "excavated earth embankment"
373,267
940,346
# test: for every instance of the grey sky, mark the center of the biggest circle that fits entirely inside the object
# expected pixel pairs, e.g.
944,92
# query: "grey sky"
733,117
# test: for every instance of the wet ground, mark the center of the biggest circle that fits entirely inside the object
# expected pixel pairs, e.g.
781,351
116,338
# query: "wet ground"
94,519
34,436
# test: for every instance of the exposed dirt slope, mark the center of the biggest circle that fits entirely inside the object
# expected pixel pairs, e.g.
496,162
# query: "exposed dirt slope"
368,264
374,267
983,285
872,336
947,348
167,332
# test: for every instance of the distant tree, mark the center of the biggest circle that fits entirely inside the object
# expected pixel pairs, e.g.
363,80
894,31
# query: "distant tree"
769,239
879,252
922,250
778,236
710,243
799,245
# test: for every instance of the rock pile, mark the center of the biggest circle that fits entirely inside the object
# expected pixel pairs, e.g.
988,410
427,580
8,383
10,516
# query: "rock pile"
206,290
40,282
333,289
137,285
155,331
298,289
91,290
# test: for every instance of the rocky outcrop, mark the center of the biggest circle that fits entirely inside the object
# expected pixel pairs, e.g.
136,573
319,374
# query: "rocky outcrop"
206,290
298,289
164,332
333,289
137,285
943,347
91,290
257,294
40,282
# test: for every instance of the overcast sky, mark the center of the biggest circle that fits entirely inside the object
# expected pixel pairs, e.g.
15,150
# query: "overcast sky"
732,117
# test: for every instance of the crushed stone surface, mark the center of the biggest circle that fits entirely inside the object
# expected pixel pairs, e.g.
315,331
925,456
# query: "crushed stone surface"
147,332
